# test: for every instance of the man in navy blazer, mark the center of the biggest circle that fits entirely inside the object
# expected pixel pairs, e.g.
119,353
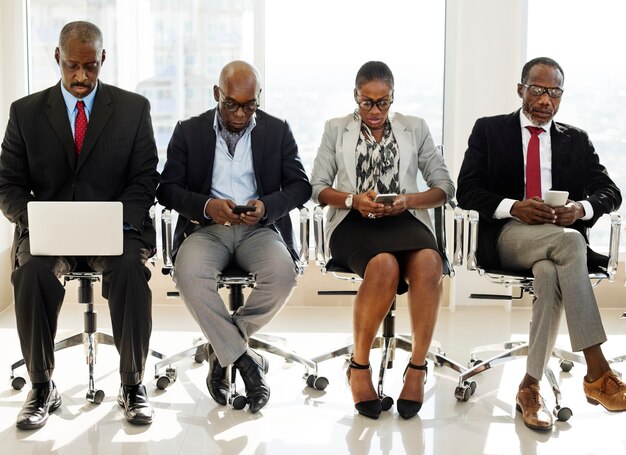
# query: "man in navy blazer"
40,161
519,231
234,155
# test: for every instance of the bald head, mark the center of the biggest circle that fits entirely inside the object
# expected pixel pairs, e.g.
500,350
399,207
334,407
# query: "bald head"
237,94
239,73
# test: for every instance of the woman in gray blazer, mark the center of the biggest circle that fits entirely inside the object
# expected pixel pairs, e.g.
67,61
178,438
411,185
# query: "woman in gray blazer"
390,243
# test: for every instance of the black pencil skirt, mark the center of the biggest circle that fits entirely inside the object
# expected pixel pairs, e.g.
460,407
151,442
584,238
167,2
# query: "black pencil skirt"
357,240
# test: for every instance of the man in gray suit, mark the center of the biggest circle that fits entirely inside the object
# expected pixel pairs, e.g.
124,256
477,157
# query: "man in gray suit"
234,154
81,140
510,163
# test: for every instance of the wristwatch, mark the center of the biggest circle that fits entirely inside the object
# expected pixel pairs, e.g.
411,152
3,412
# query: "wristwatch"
348,201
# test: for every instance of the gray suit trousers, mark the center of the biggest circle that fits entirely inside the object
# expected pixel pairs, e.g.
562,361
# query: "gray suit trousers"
558,259
200,260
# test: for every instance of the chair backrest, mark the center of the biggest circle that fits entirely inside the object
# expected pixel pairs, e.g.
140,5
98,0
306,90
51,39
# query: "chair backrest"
75,228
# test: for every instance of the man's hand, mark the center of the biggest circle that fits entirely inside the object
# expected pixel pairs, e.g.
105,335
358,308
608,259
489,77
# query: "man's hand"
221,212
252,218
533,211
569,213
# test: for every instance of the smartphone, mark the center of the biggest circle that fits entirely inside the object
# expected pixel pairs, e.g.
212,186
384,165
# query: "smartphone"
556,198
386,199
239,209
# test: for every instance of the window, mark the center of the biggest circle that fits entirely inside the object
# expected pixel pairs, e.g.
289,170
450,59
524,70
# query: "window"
595,72
167,51
313,51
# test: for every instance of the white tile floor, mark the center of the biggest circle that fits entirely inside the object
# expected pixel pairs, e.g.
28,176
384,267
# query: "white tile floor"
299,420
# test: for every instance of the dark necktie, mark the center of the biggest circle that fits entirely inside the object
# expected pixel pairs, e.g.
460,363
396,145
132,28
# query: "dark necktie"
533,164
80,127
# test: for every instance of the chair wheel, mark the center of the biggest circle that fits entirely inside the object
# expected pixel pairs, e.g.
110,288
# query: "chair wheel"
563,414
386,402
321,383
473,362
163,382
18,383
317,382
462,393
199,358
472,386
238,401
95,396
566,365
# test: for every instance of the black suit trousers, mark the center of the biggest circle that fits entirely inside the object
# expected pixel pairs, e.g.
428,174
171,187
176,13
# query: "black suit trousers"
39,295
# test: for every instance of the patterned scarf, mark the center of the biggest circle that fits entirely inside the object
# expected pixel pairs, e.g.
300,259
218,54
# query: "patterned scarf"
377,164
230,137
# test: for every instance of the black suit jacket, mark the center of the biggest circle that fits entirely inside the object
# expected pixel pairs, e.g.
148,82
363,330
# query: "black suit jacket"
493,169
281,182
117,162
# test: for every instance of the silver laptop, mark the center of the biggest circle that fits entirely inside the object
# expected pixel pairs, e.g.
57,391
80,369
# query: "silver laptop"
59,228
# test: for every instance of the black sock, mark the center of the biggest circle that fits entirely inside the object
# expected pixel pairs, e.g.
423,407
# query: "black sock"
42,385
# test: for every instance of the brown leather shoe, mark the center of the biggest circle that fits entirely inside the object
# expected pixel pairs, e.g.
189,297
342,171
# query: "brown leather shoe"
532,407
608,390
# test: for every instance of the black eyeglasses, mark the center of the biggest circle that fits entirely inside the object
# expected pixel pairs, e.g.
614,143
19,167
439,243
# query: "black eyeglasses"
538,90
383,104
233,106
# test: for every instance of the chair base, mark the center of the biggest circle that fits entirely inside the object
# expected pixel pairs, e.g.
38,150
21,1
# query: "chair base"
90,341
388,345
513,350
268,343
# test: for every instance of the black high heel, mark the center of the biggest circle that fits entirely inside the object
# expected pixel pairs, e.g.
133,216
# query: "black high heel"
370,408
410,408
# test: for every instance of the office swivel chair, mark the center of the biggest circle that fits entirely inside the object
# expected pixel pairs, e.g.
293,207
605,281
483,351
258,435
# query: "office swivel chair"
235,279
523,279
90,338
388,340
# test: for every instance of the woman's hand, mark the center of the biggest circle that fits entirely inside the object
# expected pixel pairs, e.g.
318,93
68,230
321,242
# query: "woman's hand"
364,203
399,205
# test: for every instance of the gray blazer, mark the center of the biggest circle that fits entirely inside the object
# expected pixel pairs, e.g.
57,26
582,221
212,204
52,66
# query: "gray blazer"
335,163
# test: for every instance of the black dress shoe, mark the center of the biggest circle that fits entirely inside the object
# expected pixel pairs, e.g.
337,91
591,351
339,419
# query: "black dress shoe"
134,400
38,405
252,368
216,380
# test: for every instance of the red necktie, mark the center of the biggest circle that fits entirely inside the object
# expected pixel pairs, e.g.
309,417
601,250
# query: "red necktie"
80,128
533,165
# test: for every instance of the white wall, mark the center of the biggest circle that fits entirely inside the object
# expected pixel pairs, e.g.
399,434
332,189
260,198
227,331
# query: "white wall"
13,85
485,51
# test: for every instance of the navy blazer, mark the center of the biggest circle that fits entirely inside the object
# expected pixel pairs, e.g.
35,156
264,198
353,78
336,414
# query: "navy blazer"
281,182
493,169
118,161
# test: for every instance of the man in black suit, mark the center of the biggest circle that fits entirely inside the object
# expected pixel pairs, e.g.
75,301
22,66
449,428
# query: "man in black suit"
511,162
81,140
235,154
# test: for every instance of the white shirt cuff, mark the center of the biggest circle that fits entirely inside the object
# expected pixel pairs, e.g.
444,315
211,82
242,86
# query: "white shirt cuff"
205,204
588,210
504,209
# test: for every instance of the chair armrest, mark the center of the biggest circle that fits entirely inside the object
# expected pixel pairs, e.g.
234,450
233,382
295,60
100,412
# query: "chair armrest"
616,227
459,229
318,233
472,261
166,238
305,228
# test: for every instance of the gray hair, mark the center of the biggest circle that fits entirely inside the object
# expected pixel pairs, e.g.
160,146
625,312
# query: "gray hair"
82,31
